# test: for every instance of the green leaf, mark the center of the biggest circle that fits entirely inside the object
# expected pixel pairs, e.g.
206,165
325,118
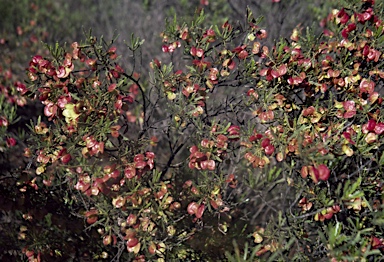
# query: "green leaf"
378,221
381,161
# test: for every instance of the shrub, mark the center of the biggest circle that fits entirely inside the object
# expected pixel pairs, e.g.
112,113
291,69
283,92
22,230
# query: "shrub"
288,138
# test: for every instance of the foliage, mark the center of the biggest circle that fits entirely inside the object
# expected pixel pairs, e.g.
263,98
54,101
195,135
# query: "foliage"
237,150
313,105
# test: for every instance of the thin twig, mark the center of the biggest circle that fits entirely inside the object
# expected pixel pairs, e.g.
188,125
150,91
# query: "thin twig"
309,214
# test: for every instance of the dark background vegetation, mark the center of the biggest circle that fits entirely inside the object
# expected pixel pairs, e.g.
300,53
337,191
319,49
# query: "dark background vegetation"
67,21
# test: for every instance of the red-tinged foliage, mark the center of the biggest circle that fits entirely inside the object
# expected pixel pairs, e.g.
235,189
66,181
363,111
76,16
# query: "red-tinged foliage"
324,172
